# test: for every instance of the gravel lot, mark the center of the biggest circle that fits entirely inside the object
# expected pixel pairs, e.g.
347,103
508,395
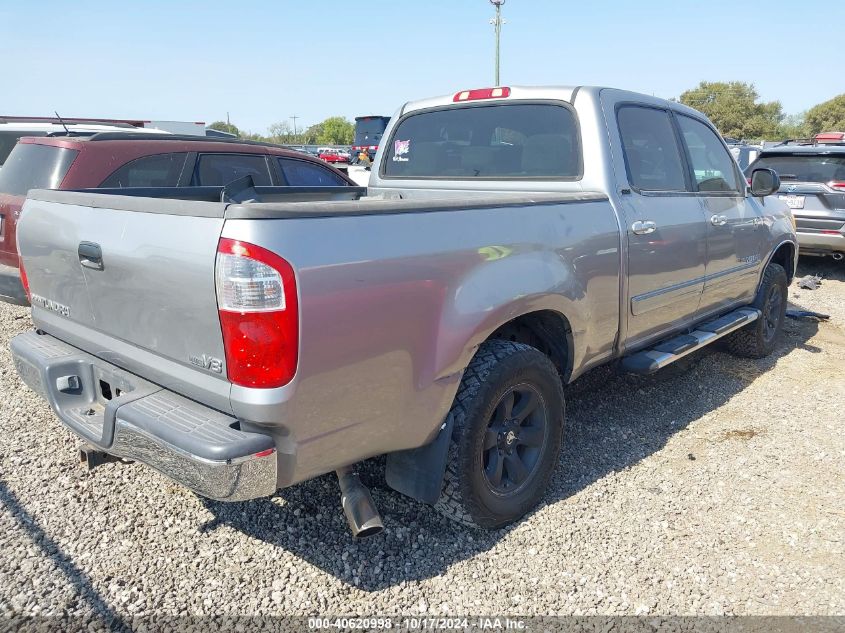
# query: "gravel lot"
716,487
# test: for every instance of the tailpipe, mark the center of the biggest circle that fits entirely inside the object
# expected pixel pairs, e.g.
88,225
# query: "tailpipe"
361,513
837,256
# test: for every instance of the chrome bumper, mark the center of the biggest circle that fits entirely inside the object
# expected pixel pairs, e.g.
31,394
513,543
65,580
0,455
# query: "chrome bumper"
124,415
821,242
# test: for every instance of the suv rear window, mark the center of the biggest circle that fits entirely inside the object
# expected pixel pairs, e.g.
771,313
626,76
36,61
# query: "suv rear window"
32,166
538,141
803,168
8,141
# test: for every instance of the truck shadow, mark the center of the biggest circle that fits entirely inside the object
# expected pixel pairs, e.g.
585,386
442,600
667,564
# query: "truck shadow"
614,421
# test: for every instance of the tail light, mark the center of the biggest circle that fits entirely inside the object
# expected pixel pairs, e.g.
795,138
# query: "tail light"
259,314
24,279
837,184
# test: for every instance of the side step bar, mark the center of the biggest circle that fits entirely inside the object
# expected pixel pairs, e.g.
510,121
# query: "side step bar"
668,351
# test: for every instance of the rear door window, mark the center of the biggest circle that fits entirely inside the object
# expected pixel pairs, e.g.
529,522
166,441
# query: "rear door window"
160,170
804,167
652,156
712,164
32,166
220,169
502,141
302,173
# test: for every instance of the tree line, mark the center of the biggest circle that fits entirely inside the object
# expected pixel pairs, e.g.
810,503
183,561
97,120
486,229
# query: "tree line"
736,110
335,130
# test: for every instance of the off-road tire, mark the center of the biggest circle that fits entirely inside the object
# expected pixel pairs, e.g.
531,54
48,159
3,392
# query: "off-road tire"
758,339
498,367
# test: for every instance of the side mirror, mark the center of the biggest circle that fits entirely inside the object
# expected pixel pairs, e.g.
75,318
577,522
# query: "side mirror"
764,182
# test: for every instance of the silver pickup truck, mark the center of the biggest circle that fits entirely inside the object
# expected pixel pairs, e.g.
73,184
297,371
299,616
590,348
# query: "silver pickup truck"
511,240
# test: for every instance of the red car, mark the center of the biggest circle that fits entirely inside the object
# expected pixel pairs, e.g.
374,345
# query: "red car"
118,160
331,155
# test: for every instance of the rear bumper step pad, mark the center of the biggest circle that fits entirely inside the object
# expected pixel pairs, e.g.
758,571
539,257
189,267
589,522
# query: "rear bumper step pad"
667,352
199,447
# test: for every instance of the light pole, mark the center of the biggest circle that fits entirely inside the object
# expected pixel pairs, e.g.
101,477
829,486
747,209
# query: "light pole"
294,127
497,23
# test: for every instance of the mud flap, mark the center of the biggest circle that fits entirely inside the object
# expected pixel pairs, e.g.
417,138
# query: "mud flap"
418,472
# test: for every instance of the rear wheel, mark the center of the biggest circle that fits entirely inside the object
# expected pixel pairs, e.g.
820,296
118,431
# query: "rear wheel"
508,422
760,338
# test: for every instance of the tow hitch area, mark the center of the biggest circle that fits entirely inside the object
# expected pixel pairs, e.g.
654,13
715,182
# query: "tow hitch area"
90,457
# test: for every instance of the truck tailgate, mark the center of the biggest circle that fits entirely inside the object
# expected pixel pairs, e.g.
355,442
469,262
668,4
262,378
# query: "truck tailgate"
133,287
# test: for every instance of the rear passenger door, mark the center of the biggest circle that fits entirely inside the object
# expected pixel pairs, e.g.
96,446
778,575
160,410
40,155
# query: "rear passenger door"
665,225
216,170
736,233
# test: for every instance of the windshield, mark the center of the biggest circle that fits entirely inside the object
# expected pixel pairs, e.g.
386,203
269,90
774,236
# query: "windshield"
804,168
538,141
32,166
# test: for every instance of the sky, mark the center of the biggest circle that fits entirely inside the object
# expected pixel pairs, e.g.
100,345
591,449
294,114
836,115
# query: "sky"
266,61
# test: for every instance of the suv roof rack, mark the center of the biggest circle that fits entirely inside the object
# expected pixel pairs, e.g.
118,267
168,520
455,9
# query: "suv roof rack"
141,136
797,141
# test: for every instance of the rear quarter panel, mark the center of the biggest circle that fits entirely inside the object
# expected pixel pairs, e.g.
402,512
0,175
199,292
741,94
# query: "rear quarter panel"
393,307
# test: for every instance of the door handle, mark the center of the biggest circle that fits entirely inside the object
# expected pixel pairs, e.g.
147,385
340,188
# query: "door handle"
718,220
643,228
90,255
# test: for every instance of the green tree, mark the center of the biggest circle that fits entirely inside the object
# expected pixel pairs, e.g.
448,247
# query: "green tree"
310,136
792,126
735,110
336,130
827,117
222,126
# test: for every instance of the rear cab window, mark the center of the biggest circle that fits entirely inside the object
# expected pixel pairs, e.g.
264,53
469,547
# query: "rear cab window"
220,169
34,166
537,141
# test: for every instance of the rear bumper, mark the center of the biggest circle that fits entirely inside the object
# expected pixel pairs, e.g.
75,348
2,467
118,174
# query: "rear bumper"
124,415
821,243
11,288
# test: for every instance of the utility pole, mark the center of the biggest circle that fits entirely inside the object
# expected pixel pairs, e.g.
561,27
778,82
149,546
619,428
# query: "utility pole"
294,125
497,23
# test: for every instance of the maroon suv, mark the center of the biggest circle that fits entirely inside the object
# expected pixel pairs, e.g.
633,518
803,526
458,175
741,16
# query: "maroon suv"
118,160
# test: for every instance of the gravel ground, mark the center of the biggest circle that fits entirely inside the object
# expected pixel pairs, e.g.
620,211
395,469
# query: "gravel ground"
715,487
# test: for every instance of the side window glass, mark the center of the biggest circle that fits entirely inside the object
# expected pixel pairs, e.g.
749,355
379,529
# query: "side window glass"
220,169
160,170
301,173
652,155
711,163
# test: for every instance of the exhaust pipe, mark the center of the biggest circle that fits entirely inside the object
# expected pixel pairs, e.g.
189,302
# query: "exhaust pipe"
837,256
361,513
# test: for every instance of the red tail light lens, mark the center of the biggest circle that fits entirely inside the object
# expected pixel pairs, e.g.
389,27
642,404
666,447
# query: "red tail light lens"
24,280
838,185
482,93
259,314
